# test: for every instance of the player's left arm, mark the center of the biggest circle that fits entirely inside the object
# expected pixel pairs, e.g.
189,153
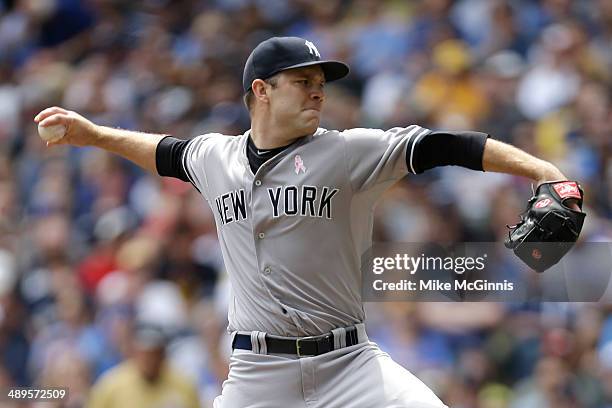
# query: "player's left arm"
504,158
477,151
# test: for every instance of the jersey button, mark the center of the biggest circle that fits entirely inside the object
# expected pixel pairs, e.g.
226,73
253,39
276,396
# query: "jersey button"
261,235
258,183
267,270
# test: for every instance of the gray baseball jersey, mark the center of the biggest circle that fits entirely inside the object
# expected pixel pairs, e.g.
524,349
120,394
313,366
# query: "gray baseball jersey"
293,234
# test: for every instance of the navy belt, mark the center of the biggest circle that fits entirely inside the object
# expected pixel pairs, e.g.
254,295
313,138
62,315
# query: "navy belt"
300,346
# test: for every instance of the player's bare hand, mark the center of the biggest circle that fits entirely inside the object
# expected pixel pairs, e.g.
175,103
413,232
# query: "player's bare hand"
79,131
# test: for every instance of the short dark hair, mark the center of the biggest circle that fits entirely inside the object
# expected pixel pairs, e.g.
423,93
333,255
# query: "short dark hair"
249,96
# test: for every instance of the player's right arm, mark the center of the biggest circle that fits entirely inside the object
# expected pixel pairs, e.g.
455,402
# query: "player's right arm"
160,154
137,147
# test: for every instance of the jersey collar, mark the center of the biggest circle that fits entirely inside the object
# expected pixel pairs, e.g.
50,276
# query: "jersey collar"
245,137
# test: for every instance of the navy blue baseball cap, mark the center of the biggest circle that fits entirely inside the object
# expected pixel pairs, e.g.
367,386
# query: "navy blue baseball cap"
277,54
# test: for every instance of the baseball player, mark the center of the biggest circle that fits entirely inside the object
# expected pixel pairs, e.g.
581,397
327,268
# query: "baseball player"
293,206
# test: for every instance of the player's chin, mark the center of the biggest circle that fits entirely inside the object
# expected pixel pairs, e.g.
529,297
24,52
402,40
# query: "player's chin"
310,127
311,123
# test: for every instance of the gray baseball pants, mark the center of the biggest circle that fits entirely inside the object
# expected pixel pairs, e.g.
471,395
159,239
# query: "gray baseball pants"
359,376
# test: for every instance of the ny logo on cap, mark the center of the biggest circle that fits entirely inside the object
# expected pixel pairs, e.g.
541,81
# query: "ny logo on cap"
312,49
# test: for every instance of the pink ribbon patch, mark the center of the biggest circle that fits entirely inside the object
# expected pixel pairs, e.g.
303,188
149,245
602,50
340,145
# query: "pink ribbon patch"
299,165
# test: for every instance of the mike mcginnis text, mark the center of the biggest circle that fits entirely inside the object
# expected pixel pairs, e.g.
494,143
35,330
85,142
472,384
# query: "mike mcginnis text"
438,285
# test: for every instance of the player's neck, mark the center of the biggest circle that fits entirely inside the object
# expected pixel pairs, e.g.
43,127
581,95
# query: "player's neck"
266,135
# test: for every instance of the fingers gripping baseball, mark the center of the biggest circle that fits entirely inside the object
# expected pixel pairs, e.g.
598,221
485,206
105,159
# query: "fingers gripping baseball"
59,126
48,112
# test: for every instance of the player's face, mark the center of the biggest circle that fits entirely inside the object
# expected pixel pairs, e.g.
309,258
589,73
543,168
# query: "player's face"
297,100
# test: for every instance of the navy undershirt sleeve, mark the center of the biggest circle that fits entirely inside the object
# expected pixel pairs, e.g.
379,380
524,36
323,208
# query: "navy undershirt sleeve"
169,158
448,148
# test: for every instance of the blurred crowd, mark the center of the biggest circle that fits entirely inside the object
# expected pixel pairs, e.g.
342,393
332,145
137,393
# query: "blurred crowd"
92,248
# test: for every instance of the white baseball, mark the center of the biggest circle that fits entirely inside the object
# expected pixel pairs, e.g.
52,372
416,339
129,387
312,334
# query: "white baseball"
51,133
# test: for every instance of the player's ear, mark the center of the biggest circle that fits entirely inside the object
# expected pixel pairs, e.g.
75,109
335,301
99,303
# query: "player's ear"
260,90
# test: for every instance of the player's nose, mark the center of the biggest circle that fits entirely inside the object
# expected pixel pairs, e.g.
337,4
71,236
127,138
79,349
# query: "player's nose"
317,94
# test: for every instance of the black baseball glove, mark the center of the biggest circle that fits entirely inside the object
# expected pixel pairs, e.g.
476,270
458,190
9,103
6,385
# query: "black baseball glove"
548,228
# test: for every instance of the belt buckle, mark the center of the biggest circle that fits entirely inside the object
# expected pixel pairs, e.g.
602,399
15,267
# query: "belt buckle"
298,347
